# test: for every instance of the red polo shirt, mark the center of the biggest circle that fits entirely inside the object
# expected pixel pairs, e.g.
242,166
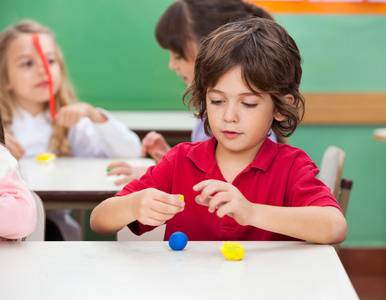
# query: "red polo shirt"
280,175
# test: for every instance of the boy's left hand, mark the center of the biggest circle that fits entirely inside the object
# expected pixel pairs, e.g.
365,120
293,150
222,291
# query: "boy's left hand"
227,199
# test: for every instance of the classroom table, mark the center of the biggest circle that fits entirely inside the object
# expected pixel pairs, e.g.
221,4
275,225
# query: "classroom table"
77,183
175,126
380,134
151,270
73,182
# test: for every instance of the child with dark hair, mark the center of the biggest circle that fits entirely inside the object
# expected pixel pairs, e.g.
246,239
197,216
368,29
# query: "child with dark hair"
238,185
180,30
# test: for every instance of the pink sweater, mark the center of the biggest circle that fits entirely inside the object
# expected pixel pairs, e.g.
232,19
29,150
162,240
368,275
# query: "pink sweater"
17,205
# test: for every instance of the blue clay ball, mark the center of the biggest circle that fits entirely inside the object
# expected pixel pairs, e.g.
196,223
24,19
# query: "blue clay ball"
178,240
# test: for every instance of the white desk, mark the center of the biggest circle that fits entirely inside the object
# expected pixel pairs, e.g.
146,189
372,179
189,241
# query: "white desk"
151,270
175,126
380,134
156,120
73,182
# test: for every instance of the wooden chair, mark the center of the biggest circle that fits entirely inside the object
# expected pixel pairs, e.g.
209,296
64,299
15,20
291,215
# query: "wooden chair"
331,168
343,199
344,194
40,229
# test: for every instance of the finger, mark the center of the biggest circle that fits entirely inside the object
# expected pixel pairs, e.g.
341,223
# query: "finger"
201,185
201,201
157,155
158,213
224,209
117,163
168,209
210,187
125,180
119,171
219,200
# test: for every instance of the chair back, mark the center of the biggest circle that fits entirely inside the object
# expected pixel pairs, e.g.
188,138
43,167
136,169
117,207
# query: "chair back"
343,198
344,194
40,229
331,168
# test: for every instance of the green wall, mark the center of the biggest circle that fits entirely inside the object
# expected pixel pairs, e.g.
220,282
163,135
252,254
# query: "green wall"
115,62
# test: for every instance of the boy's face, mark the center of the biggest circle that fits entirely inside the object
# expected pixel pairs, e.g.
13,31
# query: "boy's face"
239,119
27,79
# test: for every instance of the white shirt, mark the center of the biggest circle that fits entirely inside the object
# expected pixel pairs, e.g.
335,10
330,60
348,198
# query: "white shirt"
86,138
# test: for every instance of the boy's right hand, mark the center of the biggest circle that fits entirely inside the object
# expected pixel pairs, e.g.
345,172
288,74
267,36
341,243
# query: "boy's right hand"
153,207
154,144
14,146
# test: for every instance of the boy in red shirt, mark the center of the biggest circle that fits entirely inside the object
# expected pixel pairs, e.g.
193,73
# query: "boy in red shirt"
238,185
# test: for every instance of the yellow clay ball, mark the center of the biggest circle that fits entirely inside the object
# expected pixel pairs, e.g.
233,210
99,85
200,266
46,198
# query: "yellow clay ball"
232,251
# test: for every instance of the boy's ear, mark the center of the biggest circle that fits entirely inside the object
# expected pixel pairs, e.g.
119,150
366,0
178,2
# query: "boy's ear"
290,101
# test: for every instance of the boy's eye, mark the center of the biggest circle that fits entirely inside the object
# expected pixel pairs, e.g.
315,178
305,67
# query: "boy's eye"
249,105
51,61
216,102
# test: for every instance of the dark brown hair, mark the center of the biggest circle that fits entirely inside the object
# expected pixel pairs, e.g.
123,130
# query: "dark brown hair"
269,59
193,20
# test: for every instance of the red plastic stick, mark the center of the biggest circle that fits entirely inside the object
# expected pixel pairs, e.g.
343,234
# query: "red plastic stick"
35,40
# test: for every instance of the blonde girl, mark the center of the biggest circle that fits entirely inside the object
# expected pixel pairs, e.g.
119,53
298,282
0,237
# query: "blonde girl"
79,129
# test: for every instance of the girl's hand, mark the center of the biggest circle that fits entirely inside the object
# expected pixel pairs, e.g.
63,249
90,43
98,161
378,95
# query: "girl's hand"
153,207
154,144
14,146
227,199
122,168
69,115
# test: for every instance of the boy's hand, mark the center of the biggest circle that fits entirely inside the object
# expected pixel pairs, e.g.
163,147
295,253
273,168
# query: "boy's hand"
227,199
69,115
122,168
153,207
154,144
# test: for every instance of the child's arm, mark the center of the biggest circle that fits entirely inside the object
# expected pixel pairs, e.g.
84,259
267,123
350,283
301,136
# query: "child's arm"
69,115
122,168
95,132
154,144
312,223
149,206
13,146
17,207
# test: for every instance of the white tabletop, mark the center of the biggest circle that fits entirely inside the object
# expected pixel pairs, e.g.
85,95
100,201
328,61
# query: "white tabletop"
151,270
157,120
380,134
73,182
73,173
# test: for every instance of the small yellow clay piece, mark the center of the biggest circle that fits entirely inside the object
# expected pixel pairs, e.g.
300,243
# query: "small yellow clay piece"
232,251
46,157
181,197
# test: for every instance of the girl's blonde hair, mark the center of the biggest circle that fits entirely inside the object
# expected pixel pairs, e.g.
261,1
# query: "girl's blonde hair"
65,95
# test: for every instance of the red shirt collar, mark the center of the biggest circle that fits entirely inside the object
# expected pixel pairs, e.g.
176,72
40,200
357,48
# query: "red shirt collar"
202,155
